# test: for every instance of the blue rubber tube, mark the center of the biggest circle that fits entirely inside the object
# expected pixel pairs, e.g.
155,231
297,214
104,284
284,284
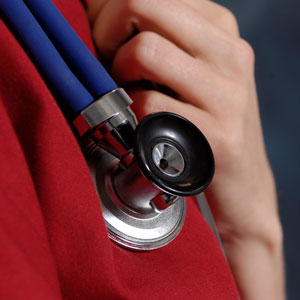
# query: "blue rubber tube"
56,72
81,61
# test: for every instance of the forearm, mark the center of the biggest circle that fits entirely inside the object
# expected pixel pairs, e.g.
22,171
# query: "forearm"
255,254
258,268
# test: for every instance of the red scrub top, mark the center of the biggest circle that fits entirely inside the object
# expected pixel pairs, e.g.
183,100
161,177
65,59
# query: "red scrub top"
54,243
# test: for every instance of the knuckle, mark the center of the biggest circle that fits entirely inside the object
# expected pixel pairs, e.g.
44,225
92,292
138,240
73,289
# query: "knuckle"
148,101
227,18
153,102
143,47
134,6
244,53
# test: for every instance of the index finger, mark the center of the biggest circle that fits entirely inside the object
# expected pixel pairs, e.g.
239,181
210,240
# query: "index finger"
172,19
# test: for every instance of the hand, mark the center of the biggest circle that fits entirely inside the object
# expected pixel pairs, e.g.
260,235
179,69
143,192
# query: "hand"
193,48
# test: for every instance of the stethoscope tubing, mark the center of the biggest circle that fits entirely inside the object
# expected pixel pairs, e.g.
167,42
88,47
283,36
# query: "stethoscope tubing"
81,61
45,56
61,69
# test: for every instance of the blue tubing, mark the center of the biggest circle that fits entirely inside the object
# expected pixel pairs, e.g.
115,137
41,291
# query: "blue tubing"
56,72
81,61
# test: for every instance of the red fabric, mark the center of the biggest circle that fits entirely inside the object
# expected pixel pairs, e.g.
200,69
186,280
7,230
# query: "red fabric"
53,239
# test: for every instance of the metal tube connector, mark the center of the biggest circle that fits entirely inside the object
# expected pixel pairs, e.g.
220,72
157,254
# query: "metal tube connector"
109,122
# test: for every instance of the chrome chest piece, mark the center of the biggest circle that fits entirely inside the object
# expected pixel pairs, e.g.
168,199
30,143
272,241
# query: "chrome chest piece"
143,172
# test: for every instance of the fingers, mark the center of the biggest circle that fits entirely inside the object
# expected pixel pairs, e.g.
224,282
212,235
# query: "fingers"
146,102
94,8
174,20
216,14
148,56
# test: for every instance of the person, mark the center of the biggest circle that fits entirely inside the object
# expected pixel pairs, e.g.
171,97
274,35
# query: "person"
54,241
194,48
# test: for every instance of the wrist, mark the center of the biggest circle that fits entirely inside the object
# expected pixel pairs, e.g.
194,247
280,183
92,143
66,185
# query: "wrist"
253,213
257,265
270,239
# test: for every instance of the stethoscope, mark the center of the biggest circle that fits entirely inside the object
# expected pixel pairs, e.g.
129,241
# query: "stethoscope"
142,172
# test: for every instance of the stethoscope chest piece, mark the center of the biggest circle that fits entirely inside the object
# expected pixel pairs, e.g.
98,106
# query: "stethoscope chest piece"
142,190
134,230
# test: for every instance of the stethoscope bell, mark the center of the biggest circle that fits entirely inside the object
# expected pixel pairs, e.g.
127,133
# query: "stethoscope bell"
143,177
173,154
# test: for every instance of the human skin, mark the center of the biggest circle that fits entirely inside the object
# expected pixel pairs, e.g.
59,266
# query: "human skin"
193,48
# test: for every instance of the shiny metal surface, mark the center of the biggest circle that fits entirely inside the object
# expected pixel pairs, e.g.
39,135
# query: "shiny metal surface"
133,188
139,214
133,220
163,201
127,227
168,159
101,110
207,215
108,122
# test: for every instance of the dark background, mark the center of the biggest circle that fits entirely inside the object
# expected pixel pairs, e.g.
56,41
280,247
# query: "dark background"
272,27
